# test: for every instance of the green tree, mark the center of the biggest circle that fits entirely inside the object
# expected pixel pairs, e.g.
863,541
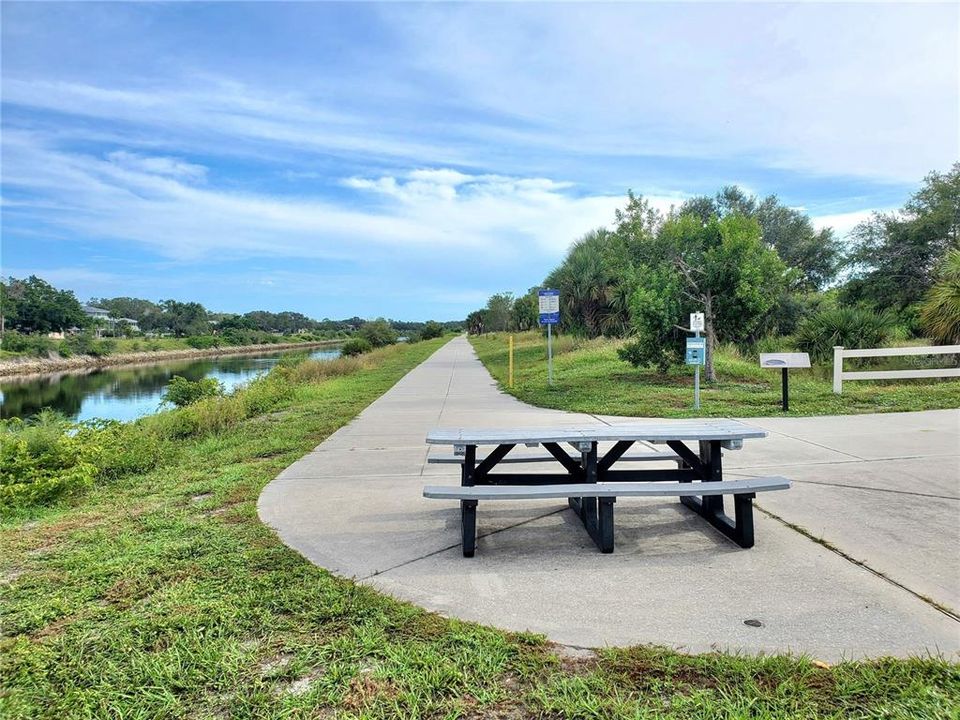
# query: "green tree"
35,306
812,255
940,312
431,329
184,318
128,307
475,322
726,271
594,281
894,255
525,313
378,333
655,306
497,312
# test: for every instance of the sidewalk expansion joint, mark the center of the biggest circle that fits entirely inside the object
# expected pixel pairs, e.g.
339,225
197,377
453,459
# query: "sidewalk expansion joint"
736,471
456,545
943,609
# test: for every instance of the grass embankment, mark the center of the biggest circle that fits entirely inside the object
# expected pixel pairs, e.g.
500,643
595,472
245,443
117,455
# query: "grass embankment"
589,377
161,595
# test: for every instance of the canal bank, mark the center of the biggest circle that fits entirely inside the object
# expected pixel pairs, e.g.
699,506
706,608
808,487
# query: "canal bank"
42,366
130,391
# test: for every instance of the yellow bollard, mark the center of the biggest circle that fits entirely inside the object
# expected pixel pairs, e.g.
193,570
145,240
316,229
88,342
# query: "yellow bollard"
510,371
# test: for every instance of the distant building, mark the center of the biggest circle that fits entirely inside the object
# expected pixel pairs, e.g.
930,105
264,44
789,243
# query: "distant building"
96,313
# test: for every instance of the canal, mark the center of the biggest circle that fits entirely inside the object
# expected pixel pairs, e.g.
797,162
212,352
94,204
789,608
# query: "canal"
130,392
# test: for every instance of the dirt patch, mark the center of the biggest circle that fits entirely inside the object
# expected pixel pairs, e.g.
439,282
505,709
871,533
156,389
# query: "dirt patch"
575,660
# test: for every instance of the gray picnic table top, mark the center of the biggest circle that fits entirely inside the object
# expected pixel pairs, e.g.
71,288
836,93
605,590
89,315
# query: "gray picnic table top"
647,430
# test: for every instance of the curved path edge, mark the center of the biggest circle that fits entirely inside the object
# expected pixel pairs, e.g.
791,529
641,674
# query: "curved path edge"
884,490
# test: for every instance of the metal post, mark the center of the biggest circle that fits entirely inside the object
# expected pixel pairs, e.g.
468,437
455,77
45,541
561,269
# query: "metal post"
550,354
786,399
510,371
696,379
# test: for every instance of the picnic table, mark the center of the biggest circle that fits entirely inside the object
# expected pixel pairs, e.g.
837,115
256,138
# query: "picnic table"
592,481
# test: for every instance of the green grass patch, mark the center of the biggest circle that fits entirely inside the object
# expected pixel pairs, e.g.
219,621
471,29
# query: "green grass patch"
159,594
589,377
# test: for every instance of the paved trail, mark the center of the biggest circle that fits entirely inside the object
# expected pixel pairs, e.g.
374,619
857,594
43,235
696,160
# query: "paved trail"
884,489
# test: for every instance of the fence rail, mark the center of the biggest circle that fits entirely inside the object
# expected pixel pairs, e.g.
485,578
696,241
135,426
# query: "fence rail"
840,354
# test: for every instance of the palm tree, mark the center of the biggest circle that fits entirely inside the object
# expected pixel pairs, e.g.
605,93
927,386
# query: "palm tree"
940,312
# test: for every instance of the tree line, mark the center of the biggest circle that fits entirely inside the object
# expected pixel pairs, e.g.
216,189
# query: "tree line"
757,269
34,306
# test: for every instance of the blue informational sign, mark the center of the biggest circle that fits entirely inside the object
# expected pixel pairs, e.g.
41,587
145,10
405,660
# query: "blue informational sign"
696,351
549,306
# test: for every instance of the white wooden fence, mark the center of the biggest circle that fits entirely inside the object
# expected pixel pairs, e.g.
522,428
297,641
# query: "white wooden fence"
839,354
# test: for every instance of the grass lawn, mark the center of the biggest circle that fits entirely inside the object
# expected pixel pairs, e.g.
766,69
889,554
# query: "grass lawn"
161,595
589,377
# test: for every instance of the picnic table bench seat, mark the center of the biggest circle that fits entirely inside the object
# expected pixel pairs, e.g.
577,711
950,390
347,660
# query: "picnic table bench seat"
591,482
740,530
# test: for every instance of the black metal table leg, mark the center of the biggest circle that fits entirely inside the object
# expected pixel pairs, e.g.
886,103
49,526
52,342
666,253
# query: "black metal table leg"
468,526
468,508
604,537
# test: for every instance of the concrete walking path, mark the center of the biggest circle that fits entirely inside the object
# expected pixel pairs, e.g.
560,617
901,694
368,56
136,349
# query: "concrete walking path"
882,489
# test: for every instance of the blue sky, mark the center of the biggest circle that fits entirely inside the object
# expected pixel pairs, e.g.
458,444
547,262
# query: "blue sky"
409,160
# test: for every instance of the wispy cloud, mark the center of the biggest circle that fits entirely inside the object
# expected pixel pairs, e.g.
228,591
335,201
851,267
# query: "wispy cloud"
428,154
155,201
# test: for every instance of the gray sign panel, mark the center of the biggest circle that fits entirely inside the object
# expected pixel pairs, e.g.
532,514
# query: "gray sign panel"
784,360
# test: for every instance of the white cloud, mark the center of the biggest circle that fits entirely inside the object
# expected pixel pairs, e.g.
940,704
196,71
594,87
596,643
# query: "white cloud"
753,81
843,223
153,201
169,166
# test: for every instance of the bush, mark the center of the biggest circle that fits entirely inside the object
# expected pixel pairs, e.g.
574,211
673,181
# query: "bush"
86,344
42,461
355,346
432,329
203,342
850,327
316,370
123,447
378,333
772,344
940,312
265,393
38,345
181,392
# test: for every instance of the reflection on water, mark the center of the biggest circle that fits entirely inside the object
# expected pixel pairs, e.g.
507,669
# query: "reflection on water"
130,392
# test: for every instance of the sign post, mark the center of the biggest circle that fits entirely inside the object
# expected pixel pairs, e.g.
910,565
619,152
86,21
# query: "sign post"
696,354
784,361
549,316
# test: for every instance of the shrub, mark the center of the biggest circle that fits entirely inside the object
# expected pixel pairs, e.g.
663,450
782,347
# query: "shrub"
316,370
850,327
940,312
42,461
123,447
203,342
265,393
378,333
86,344
181,392
771,344
431,329
355,346
38,345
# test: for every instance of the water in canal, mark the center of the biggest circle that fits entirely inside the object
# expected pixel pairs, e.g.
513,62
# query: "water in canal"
126,393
